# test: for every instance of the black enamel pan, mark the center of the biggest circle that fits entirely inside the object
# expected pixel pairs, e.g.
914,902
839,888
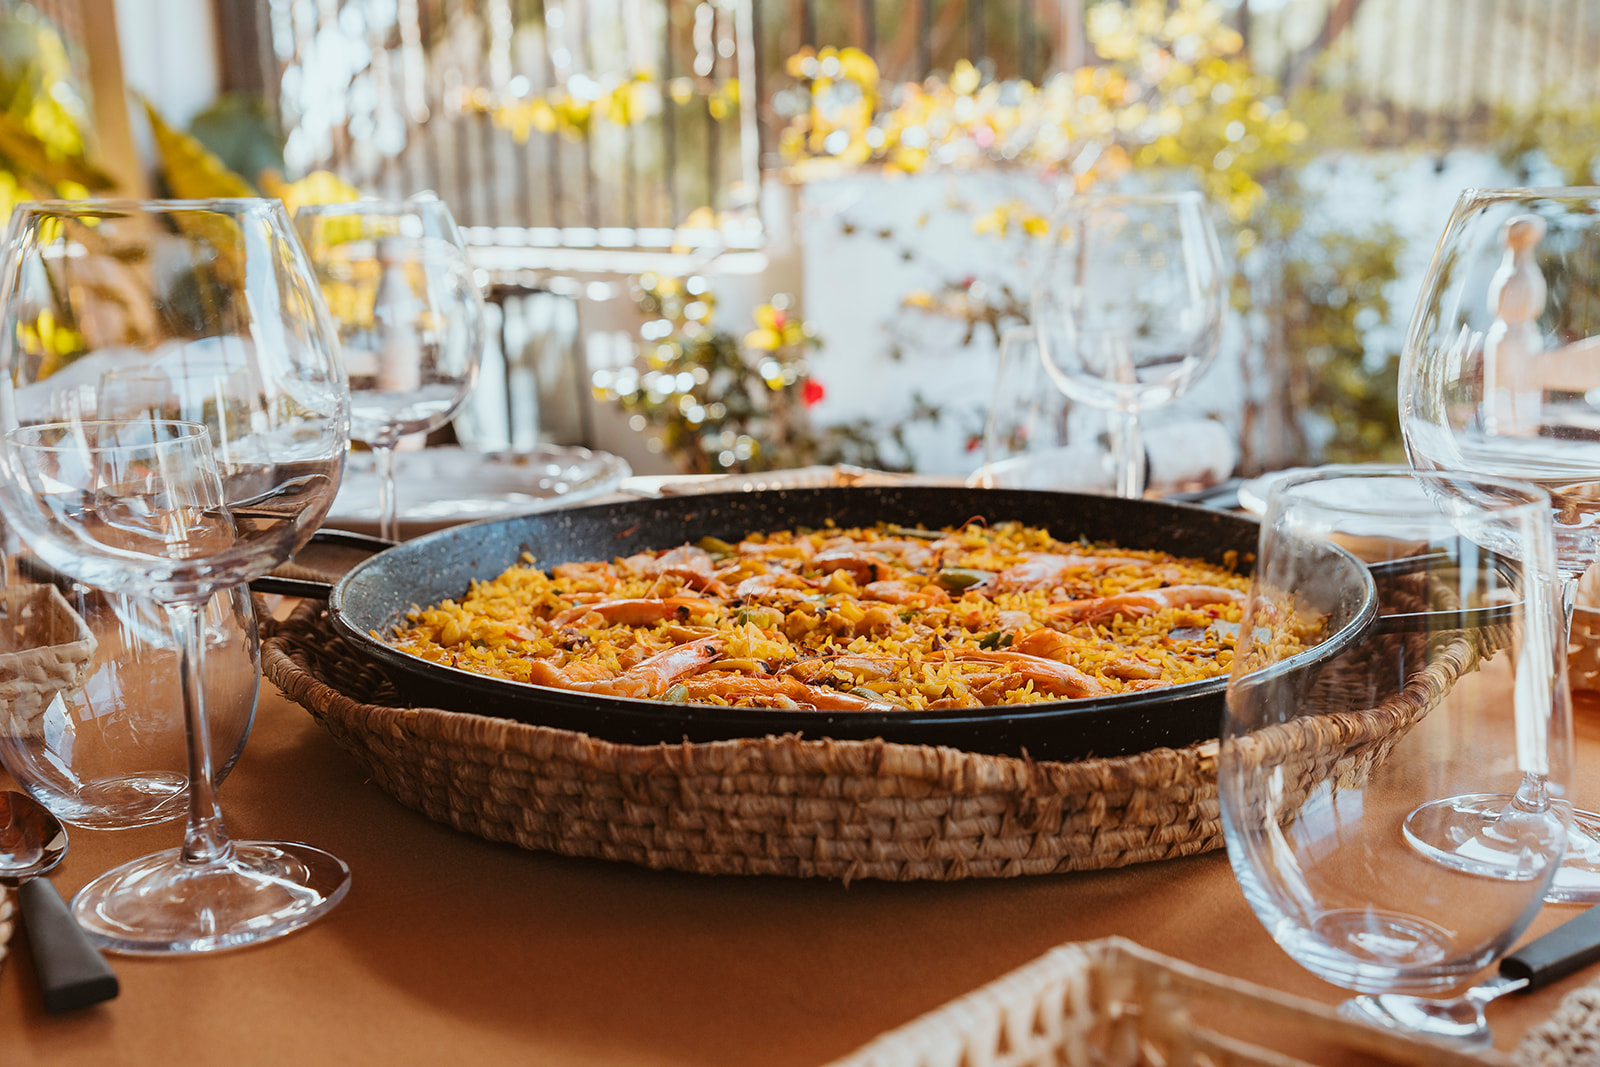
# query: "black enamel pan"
376,594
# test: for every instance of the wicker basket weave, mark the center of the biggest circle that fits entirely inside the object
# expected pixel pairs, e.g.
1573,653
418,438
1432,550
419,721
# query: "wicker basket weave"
783,805
1114,1003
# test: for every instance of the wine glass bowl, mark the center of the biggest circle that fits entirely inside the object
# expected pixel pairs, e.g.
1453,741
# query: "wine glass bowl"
1455,688
410,319
175,421
130,507
1501,356
1128,308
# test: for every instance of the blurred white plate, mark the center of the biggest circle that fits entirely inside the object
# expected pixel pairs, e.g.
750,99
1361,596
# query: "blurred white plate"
1253,492
447,485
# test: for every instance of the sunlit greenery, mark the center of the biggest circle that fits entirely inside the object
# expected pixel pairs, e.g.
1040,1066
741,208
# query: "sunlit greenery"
1171,101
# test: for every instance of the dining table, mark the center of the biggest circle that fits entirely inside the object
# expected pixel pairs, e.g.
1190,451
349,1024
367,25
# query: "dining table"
454,949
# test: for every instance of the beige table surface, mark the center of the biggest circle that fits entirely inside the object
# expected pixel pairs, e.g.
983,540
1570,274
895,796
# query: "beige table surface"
454,950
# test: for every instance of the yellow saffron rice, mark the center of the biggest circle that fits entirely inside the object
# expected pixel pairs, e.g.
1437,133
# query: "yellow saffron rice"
872,619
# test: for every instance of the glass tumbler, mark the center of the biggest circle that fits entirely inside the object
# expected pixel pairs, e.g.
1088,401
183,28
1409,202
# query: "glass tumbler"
91,717
1400,648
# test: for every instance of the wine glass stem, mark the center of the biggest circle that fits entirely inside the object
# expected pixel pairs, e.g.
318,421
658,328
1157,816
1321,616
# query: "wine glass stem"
205,839
1569,605
1127,453
388,507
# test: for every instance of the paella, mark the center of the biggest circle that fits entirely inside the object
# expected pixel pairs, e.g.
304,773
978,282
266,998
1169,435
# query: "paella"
865,618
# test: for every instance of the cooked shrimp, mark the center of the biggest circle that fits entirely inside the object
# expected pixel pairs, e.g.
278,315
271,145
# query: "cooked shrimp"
1046,675
639,612
875,619
860,566
692,566
736,687
1041,570
862,668
586,577
646,679
780,585
665,668
913,553
1144,602
900,592
1133,670
1046,644
1012,620
801,550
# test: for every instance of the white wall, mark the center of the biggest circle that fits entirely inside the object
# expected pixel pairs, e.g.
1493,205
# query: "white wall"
169,55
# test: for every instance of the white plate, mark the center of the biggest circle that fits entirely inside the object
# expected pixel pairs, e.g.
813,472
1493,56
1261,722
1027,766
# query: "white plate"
448,485
1253,492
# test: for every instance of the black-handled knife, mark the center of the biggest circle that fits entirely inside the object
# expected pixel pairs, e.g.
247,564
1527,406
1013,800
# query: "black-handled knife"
1569,947
71,972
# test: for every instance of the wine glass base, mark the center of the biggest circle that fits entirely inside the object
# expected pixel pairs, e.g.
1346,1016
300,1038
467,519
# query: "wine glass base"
1484,834
1578,880
122,802
1371,948
158,905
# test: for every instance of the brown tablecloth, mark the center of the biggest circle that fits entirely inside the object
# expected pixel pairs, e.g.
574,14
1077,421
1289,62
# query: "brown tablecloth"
454,950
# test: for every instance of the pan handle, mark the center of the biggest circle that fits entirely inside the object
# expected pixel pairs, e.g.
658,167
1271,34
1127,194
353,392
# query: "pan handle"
351,539
306,588
310,588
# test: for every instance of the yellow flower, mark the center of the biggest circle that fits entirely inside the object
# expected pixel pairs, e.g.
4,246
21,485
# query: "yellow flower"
766,340
318,187
965,79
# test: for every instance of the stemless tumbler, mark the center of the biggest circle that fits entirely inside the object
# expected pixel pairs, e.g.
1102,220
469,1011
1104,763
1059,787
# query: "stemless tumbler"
1454,686
88,684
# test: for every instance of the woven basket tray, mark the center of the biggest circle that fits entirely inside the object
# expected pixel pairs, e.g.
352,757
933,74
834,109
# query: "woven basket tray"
782,805
1112,1002
45,649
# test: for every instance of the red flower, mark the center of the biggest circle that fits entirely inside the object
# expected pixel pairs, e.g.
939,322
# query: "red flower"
812,393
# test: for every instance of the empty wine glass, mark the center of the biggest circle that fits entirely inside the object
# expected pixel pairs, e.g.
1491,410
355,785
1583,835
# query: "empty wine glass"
1128,307
1455,686
1025,432
1499,375
410,320
141,310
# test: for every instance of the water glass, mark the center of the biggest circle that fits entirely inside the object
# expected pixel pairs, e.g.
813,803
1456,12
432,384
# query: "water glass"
90,707
1366,691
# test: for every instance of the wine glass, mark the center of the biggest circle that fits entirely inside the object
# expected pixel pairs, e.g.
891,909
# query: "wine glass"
1128,307
146,313
1025,432
1498,373
1454,686
410,320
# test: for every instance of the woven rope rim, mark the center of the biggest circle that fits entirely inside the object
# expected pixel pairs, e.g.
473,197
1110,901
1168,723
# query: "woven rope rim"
782,804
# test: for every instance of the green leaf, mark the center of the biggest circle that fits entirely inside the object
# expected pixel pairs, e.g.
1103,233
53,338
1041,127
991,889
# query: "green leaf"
191,171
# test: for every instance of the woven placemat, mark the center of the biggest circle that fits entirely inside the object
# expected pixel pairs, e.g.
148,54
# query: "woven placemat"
786,805
8,921
1570,1037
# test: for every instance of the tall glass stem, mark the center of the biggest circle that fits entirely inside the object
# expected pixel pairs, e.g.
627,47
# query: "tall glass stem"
205,839
1569,605
388,507
1127,453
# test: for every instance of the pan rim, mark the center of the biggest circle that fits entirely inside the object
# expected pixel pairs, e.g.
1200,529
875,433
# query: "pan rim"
761,719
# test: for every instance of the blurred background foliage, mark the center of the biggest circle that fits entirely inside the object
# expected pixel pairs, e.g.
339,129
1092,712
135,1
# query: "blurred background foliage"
1168,93
46,141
